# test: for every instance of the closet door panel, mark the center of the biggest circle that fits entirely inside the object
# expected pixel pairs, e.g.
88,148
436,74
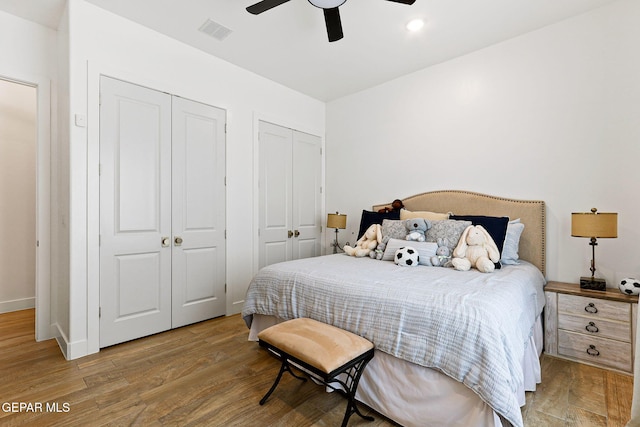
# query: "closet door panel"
135,211
198,261
275,194
307,208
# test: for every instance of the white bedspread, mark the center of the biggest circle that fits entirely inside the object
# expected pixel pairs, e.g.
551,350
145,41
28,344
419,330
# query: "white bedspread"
471,326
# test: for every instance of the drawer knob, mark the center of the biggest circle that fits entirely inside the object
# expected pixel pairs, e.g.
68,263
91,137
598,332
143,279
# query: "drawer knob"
590,308
593,351
591,327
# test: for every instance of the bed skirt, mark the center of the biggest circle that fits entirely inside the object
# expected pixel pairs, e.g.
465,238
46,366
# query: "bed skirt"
426,397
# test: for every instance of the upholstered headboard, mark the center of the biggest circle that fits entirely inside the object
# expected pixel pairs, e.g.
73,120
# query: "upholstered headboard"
531,212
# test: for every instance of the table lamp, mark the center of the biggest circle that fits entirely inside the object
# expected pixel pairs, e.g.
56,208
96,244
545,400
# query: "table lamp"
337,221
594,225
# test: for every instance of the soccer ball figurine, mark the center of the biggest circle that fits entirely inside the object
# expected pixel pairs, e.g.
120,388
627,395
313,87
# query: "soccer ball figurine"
629,286
406,256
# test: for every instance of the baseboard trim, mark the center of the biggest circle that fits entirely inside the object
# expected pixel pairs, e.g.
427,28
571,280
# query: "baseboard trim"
17,305
70,350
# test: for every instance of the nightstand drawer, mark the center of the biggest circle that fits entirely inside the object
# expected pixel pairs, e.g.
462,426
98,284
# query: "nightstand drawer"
601,351
595,327
594,307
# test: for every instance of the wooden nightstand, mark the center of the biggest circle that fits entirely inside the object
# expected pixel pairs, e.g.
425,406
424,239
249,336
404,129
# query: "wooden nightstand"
593,327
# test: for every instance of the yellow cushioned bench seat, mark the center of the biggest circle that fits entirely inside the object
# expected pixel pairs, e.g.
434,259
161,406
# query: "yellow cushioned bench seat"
333,355
320,345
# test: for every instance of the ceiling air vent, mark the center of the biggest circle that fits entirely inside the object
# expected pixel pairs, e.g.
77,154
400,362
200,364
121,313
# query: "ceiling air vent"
215,30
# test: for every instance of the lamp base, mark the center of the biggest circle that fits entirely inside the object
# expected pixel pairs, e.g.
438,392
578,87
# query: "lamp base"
593,284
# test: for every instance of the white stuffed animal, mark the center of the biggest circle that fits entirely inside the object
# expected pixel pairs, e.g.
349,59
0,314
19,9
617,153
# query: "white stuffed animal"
367,242
476,249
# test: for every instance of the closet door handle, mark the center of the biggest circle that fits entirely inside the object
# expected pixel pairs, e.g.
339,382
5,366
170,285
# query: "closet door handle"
178,241
165,241
296,233
290,233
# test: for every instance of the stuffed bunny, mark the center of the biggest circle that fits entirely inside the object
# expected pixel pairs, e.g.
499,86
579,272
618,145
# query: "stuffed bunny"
378,252
442,258
367,242
475,249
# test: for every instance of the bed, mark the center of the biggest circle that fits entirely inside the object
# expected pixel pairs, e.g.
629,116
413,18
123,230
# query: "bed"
452,348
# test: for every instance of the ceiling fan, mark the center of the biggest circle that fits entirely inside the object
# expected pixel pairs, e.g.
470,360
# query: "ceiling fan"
330,8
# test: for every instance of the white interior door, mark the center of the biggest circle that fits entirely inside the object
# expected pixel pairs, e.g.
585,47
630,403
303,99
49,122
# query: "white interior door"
198,256
306,205
162,212
135,211
290,198
275,195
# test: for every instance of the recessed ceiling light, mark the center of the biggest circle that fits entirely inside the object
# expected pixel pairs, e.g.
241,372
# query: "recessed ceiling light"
415,25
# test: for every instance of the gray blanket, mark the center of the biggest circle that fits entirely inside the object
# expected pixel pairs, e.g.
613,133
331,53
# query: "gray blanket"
473,327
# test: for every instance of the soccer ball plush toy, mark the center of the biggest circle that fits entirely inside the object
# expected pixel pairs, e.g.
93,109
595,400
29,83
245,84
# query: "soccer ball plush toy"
406,256
629,286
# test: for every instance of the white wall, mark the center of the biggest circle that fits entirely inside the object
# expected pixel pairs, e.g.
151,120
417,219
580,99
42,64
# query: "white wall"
17,196
28,49
60,265
103,43
550,115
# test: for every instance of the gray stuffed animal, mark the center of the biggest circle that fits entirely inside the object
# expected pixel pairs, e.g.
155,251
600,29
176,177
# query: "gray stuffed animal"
416,229
379,251
442,258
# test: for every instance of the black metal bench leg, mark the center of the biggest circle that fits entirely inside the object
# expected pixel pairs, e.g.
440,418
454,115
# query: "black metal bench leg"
284,367
351,408
350,391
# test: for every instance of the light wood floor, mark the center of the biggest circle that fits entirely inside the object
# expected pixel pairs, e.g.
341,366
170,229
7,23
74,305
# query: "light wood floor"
208,374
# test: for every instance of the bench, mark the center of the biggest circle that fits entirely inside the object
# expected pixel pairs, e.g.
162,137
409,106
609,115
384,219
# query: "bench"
327,353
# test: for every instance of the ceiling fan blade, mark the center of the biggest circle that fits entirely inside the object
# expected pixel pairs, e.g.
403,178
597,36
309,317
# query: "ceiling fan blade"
404,1
264,5
334,25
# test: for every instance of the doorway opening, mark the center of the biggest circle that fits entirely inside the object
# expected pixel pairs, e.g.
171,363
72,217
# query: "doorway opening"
18,195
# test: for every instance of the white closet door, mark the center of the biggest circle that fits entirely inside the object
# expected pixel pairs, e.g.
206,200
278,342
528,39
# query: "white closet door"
307,162
198,262
275,194
290,198
135,211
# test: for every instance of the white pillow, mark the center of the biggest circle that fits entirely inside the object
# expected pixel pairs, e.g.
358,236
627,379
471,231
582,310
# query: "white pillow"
511,246
425,249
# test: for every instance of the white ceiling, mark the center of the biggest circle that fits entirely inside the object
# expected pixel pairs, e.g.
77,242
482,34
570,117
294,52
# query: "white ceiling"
288,44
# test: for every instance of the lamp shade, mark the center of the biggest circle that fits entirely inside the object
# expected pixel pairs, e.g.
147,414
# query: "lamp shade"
594,224
337,220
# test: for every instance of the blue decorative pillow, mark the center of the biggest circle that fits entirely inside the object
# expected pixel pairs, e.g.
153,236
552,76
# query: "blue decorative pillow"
511,247
425,249
368,218
495,226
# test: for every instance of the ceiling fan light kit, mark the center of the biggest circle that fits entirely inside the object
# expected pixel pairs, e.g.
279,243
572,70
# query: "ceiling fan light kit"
329,7
327,4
